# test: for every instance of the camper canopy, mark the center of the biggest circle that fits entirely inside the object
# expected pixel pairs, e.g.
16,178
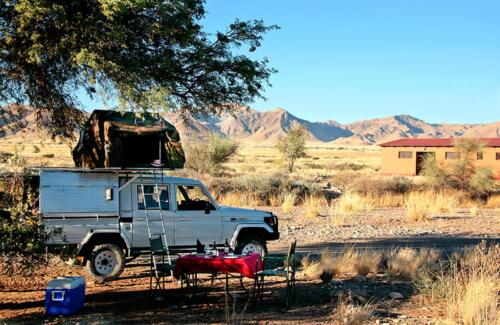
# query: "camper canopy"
116,139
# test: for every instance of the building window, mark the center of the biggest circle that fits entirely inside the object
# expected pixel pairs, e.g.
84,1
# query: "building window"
479,156
404,154
498,155
452,155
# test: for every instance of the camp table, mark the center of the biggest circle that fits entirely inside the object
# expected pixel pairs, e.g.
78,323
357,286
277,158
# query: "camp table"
220,268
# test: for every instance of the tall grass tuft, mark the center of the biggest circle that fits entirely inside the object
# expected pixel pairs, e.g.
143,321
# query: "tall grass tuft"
468,285
313,205
445,202
418,206
407,262
288,202
351,203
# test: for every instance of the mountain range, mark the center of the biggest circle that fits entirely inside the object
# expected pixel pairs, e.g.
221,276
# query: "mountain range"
254,126
249,125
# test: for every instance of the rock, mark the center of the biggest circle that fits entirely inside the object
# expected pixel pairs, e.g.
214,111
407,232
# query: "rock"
396,295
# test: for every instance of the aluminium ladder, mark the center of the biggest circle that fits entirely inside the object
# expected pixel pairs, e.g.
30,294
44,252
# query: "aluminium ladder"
156,192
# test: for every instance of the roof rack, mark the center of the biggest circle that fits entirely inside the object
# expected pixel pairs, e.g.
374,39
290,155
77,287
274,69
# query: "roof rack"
112,170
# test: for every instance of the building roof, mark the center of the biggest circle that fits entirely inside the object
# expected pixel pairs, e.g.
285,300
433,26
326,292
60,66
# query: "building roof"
437,142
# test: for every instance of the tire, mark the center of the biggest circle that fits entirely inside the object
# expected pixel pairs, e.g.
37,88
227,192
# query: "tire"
251,243
106,262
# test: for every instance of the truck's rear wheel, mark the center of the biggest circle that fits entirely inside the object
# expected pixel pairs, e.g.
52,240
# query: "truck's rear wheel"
249,244
106,262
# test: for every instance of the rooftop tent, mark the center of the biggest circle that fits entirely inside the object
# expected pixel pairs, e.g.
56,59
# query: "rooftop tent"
115,139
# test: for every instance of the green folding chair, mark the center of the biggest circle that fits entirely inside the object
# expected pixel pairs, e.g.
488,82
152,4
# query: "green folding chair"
159,267
278,266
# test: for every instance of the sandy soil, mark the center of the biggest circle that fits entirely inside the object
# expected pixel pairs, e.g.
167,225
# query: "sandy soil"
127,300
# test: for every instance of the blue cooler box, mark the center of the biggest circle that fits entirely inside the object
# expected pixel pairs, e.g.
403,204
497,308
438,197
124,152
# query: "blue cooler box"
65,295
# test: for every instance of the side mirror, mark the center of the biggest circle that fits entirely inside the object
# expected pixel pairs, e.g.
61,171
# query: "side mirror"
208,207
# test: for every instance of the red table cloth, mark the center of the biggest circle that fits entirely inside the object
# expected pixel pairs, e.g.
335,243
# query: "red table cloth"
245,265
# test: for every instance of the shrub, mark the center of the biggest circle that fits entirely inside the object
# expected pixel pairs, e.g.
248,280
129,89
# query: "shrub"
207,156
418,206
468,285
311,269
445,202
48,155
36,149
474,210
289,200
462,174
22,235
350,203
293,146
313,205
348,314
407,262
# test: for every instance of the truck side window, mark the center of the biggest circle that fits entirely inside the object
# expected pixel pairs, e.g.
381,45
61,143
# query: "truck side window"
152,197
192,197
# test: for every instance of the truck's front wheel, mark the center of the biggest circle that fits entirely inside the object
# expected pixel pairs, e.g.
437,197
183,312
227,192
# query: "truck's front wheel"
249,245
106,262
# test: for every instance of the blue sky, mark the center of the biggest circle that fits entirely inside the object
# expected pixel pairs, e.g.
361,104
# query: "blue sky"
351,60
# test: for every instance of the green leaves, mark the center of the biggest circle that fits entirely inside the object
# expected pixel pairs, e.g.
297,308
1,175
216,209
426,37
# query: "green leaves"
138,54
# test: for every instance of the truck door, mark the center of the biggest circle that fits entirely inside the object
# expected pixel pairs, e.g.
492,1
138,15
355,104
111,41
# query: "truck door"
196,216
140,238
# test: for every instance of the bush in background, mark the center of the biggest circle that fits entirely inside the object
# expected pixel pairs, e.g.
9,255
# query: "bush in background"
462,174
293,146
208,156
22,235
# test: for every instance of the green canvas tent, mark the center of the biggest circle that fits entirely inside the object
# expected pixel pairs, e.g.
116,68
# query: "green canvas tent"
116,139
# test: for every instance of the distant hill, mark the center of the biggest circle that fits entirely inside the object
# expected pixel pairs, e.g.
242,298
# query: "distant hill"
249,125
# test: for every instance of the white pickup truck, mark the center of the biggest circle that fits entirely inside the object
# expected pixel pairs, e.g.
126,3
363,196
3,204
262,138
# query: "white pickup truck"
103,212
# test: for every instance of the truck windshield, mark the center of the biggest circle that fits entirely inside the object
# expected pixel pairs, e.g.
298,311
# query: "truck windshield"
154,195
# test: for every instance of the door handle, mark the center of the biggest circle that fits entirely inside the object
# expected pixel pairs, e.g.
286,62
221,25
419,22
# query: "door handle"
182,219
232,219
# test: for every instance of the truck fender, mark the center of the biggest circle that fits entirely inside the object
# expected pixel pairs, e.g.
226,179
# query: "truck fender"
240,227
98,237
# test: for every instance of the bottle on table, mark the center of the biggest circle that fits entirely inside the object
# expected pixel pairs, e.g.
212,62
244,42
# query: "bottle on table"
226,247
214,252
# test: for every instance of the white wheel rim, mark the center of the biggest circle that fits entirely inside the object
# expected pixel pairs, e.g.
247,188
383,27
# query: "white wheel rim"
251,248
105,262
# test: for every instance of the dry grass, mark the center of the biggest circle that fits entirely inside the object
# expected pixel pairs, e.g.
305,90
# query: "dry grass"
312,270
313,205
275,200
348,314
406,262
360,262
468,285
474,211
445,202
493,202
288,202
350,203
338,220
418,206
387,200
238,199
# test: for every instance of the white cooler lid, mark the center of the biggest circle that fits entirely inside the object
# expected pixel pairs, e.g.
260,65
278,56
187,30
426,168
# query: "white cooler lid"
66,282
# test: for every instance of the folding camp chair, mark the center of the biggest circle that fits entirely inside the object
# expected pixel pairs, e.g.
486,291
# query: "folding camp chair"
159,267
278,266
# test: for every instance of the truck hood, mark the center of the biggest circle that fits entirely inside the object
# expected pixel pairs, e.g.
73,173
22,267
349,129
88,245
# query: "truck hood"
227,211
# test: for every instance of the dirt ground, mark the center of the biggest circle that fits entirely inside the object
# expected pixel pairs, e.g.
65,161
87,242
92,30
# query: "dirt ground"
128,300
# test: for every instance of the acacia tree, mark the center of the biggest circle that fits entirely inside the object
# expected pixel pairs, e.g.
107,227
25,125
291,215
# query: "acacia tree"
293,146
140,54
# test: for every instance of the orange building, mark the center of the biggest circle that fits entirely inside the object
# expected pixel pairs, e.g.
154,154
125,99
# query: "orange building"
405,156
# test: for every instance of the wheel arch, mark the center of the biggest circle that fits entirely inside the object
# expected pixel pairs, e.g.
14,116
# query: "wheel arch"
248,230
97,238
